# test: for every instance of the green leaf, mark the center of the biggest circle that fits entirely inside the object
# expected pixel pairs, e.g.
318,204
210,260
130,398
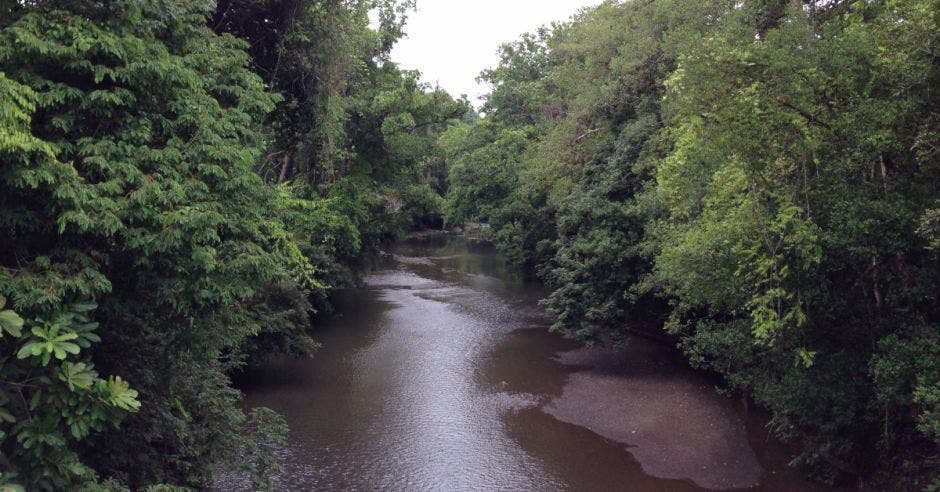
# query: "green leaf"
65,337
805,357
122,396
84,307
77,375
11,323
70,348
28,350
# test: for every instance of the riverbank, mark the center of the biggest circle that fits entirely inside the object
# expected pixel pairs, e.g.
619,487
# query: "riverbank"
470,231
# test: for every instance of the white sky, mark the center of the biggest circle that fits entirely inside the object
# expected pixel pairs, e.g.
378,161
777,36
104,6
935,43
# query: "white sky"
451,41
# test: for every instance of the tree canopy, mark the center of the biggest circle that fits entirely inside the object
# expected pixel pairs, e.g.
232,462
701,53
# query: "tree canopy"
760,178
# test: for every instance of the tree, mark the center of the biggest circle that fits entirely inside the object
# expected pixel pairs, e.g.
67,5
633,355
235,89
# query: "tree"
51,397
759,178
132,185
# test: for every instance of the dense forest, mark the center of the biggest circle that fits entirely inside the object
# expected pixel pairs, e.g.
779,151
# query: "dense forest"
761,179
183,184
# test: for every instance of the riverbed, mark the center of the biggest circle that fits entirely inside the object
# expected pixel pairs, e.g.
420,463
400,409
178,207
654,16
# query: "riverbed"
441,374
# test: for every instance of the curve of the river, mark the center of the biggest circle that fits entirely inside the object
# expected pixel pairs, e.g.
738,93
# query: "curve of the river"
441,374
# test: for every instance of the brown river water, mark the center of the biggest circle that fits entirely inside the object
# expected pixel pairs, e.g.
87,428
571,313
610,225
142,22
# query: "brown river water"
441,374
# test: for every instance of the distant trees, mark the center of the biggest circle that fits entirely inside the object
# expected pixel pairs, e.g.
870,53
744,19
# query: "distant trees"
760,179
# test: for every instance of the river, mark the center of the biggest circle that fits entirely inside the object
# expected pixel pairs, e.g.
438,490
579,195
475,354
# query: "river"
441,374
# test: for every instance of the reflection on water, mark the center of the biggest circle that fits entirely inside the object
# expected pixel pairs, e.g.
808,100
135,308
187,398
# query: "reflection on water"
441,375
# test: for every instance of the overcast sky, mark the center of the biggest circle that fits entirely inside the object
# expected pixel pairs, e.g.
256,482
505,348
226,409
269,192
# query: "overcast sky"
451,41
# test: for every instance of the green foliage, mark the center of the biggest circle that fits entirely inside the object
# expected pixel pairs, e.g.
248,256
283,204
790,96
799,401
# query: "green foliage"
518,89
906,372
392,151
139,152
10,322
127,178
759,179
177,199
424,207
791,179
309,52
263,431
482,169
347,111
51,397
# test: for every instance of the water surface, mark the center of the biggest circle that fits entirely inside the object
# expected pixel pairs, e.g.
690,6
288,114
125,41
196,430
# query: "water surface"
441,374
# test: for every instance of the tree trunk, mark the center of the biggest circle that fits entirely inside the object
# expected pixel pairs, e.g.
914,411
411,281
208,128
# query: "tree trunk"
285,168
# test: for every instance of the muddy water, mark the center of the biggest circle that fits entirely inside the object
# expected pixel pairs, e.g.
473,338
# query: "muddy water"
441,375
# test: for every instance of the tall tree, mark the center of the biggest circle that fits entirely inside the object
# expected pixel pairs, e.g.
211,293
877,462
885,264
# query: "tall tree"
132,185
